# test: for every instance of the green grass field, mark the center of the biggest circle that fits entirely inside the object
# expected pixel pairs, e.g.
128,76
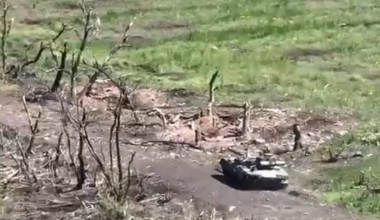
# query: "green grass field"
349,187
321,55
313,54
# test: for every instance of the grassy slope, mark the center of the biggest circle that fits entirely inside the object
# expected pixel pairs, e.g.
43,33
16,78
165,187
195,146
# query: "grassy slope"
305,53
248,41
348,186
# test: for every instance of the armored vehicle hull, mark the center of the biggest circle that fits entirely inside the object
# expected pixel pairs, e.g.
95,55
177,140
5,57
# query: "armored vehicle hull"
253,172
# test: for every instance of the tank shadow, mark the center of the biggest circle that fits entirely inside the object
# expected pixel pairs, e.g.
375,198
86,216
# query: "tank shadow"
242,186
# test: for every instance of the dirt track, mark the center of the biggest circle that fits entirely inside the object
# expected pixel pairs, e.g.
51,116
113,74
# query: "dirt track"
206,184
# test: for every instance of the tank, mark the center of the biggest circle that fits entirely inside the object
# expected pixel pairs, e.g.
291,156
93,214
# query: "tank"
262,172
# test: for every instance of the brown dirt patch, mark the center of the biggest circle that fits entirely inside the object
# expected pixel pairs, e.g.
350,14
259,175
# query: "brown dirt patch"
104,91
199,181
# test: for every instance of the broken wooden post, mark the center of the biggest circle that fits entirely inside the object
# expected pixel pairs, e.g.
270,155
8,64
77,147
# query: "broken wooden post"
197,137
209,109
192,125
135,116
247,154
211,92
297,137
161,115
246,120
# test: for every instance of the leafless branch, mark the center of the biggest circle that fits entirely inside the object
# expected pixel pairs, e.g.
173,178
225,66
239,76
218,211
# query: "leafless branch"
42,47
57,154
129,181
211,92
61,68
33,127
68,138
60,65
81,170
24,164
82,130
60,32
99,162
122,44
161,116
7,26
76,58
22,154
117,115
92,80
110,144
101,67
21,67
22,169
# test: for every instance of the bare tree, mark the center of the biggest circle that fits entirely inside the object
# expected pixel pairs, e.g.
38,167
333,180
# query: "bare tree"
77,57
33,127
7,26
81,170
60,63
101,68
212,89
117,116
18,68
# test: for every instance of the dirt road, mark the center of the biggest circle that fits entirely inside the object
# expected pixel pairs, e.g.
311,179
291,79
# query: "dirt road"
206,184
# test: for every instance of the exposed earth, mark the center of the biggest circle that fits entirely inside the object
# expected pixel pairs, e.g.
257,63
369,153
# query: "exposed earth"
191,173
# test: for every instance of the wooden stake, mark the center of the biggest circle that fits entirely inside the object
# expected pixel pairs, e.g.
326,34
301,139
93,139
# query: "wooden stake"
297,137
247,114
197,137
211,92
161,115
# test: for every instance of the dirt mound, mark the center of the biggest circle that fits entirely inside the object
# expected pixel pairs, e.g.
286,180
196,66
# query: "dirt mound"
200,130
147,98
104,92
268,129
